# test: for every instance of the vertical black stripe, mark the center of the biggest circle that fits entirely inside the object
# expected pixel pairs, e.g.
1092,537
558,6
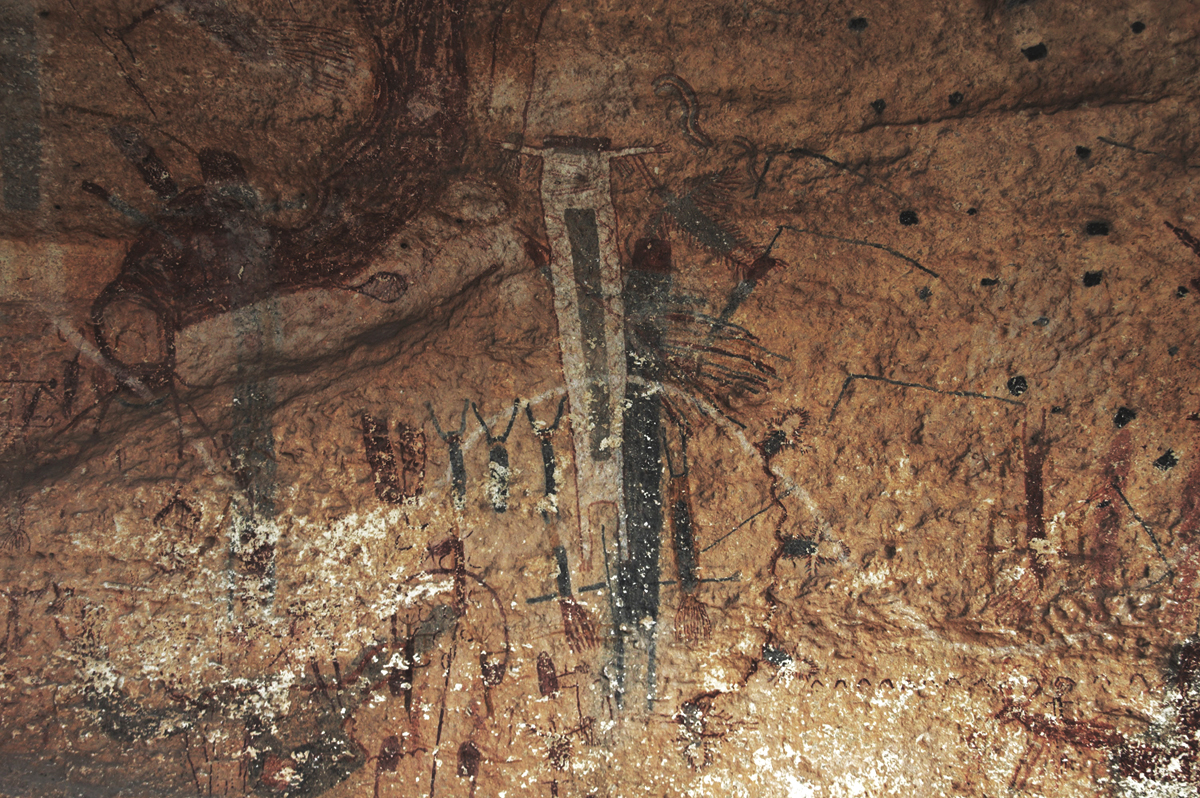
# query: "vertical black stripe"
564,572
548,465
585,255
685,545
20,106
645,291
252,448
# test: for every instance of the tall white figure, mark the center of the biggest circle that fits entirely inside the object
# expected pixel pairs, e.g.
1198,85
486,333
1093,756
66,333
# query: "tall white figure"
585,269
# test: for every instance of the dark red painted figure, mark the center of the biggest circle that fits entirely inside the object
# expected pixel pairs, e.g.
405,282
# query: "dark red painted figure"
209,251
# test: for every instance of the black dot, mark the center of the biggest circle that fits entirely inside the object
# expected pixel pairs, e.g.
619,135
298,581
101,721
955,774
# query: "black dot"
1091,279
1041,321
44,14
774,443
858,23
1104,503
1058,410
956,98
1138,26
58,207
1096,228
1124,416
1181,292
924,292
403,245
971,211
879,106
1172,351
1035,53
889,551
1082,152
1167,461
1018,385
989,281
908,218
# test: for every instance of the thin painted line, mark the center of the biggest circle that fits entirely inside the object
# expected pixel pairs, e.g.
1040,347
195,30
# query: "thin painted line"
549,596
902,384
863,243
716,542
1153,539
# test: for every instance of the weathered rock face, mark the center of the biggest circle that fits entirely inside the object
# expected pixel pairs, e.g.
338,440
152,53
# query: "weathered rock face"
587,399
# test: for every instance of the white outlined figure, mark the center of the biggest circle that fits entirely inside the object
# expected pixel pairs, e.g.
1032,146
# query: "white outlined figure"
585,269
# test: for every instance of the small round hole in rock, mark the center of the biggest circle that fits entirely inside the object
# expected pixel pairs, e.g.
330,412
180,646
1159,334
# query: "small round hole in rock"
1167,461
1035,53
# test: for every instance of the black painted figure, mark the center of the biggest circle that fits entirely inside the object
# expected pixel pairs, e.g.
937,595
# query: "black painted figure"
545,436
691,619
458,469
646,290
498,473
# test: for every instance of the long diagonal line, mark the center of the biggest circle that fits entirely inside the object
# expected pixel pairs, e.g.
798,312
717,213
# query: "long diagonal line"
1124,146
1153,538
968,394
861,242
1140,151
745,521
442,715
120,67
795,151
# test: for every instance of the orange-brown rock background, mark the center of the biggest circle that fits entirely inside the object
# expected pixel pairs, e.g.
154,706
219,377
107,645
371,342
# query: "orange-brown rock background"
939,637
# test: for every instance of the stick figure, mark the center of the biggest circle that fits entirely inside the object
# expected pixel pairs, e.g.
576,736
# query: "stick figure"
453,439
497,489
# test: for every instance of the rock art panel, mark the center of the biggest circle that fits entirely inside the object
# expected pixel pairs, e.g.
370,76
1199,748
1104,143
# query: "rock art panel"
457,398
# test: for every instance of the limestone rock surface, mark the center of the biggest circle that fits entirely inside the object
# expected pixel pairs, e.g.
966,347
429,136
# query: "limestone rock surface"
465,398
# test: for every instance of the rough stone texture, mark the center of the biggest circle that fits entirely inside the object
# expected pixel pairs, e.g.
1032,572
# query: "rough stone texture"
914,285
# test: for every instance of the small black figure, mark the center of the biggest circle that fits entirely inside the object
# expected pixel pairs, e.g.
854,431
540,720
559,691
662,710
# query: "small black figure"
458,471
497,460
545,436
